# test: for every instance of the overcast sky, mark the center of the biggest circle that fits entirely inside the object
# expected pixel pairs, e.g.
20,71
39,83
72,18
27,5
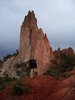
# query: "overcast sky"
55,17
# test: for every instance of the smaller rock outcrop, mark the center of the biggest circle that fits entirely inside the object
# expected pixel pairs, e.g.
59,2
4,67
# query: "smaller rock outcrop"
64,54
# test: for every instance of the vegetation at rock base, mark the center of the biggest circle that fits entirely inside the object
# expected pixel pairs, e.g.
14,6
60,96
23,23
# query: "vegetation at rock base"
68,62
19,65
56,72
6,78
22,69
19,89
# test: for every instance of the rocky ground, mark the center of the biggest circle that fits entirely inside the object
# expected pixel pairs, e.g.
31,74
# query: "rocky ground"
44,88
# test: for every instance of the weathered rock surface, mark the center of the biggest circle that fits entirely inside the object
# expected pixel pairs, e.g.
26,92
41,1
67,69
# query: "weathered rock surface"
68,52
33,44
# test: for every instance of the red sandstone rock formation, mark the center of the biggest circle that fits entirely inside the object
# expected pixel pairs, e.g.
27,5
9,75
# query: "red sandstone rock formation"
68,52
33,44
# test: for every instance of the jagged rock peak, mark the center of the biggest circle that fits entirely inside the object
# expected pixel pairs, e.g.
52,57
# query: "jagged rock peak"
30,20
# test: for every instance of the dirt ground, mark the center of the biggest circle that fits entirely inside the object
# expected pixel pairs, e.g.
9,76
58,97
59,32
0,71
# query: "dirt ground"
44,88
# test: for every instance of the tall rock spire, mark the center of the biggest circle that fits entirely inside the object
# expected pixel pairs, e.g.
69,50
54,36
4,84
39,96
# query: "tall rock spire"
33,44
30,20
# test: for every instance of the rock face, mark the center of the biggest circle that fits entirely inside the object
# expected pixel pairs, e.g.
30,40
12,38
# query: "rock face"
33,44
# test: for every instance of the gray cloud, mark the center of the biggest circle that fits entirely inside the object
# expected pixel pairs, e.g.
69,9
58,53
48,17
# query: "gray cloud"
56,17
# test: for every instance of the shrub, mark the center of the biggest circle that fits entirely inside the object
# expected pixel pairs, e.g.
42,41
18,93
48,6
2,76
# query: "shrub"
10,55
20,65
7,57
55,72
6,78
53,62
19,89
22,69
68,63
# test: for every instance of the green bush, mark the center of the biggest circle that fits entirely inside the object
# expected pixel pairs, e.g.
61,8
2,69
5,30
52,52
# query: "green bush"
6,78
22,69
19,89
68,63
58,72
20,65
53,62
55,72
